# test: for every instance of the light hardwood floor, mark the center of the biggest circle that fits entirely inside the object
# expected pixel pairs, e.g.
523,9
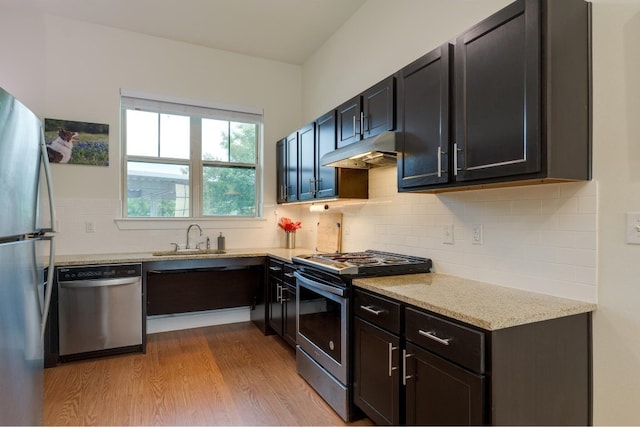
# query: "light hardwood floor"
218,375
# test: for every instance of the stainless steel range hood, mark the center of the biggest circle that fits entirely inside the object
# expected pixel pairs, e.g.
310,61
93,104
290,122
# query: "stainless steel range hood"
377,151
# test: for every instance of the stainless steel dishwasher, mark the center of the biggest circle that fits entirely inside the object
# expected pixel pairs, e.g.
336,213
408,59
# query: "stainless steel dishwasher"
100,310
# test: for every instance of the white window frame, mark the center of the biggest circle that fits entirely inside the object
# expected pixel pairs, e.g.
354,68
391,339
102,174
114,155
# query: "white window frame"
191,108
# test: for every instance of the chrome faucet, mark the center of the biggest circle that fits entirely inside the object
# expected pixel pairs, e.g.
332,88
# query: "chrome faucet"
188,230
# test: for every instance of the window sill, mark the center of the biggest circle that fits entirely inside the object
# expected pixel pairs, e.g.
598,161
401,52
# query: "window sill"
183,223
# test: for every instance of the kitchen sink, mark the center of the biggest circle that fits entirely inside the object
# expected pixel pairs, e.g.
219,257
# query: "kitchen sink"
189,252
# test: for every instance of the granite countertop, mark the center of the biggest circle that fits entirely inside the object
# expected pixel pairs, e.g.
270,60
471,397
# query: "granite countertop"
486,306
117,258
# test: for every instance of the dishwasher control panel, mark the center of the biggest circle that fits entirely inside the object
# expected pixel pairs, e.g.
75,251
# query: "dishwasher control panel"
99,272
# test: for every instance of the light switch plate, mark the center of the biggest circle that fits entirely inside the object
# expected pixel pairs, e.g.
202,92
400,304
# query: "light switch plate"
447,234
633,228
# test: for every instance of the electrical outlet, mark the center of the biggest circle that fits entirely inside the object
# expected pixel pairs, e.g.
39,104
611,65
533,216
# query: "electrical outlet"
477,234
447,234
89,227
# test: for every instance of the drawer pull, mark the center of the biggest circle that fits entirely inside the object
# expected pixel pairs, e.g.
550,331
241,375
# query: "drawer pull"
391,367
371,309
405,377
289,275
432,335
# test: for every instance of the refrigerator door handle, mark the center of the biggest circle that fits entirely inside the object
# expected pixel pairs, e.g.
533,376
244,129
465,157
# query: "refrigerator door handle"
49,285
47,174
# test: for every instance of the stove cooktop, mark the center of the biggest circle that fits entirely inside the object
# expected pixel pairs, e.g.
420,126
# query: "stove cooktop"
367,263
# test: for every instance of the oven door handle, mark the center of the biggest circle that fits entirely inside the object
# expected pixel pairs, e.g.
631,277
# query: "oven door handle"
310,283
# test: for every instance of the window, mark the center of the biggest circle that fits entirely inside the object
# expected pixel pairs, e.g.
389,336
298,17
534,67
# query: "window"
189,161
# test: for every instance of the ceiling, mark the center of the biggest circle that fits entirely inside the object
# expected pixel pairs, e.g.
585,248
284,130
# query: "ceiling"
283,30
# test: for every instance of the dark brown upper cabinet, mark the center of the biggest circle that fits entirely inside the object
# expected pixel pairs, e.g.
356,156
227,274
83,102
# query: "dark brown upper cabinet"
281,170
522,95
292,186
424,120
301,177
368,113
325,142
519,97
307,161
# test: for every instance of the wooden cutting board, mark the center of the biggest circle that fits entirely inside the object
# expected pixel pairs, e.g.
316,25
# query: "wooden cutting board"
329,232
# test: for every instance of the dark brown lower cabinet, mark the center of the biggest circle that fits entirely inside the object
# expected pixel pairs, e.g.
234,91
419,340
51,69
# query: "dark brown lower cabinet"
416,367
183,291
282,300
376,385
439,392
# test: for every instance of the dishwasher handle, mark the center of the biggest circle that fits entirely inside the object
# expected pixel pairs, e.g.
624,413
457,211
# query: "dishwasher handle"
99,283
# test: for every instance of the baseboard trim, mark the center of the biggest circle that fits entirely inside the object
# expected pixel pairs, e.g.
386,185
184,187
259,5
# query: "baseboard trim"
176,322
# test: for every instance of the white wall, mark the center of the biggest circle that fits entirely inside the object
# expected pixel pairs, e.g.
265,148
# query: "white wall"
564,239
616,326
72,70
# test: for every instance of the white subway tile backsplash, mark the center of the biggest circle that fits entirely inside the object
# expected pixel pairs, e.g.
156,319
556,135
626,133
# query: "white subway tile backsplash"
539,238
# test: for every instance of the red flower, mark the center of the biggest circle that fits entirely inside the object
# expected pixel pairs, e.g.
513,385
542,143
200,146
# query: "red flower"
289,226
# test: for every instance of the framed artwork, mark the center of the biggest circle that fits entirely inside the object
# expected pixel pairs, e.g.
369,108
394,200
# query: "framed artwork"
79,143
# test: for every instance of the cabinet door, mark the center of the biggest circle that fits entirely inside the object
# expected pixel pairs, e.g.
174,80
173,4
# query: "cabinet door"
307,161
349,122
376,383
378,108
289,331
498,95
275,296
439,392
423,111
325,143
281,171
292,167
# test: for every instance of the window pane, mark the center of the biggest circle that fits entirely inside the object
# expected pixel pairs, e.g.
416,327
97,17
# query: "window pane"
229,191
215,140
174,136
243,142
157,190
142,133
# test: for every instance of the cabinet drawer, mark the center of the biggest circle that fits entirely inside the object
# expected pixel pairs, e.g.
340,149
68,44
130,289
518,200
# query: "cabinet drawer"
378,310
460,344
288,276
276,269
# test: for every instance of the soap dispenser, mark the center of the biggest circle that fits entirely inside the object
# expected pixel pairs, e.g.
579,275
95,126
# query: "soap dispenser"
221,242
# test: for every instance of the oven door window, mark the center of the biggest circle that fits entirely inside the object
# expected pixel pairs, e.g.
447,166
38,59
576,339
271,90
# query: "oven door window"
320,321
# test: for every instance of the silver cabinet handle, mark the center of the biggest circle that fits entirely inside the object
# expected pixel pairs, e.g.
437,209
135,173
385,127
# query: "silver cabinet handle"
432,335
354,125
371,309
439,161
391,367
275,268
361,122
455,159
405,356
312,186
289,275
279,293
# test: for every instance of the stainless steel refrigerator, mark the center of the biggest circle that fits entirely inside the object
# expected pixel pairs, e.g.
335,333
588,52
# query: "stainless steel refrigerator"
24,245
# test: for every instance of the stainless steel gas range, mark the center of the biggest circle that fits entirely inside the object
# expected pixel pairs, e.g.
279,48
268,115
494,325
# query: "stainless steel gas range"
323,283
